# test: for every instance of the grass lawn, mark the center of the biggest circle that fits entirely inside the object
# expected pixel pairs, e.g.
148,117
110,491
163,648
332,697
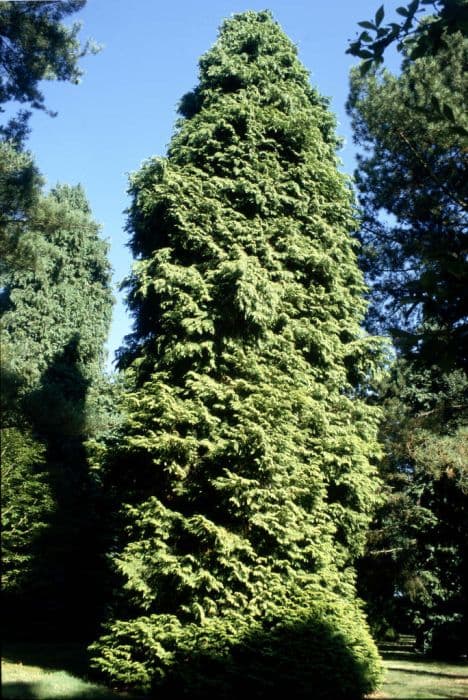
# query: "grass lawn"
21,682
50,672
409,675
54,672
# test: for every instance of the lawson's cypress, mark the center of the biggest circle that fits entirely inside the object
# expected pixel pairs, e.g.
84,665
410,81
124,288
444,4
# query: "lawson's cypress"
246,460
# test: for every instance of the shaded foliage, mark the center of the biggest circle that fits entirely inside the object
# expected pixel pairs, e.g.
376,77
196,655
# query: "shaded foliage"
55,317
414,37
412,185
414,576
413,169
317,647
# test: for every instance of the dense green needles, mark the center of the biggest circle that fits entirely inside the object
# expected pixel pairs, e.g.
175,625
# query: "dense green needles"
248,447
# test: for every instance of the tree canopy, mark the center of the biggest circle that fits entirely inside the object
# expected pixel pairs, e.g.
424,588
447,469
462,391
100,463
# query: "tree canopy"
35,45
414,37
412,167
55,319
248,451
411,177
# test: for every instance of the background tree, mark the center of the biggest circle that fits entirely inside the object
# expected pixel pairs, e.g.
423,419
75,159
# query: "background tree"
414,35
247,455
52,339
413,170
25,493
20,186
55,322
35,45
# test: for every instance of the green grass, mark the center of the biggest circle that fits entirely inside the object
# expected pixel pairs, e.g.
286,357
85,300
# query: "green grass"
409,676
21,682
58,672
50,672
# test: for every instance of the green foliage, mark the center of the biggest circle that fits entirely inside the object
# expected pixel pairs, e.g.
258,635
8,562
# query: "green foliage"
56,303
412,168
414,573
321,645
35,45
247,454
415,37
65,297
26,503
412,182
55,316
20,185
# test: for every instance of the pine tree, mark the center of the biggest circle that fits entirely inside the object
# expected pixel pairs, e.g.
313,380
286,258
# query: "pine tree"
55,318
412,167
247,456
20,187
34,45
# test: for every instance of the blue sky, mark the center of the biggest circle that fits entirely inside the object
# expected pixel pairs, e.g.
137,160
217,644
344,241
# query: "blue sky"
125,107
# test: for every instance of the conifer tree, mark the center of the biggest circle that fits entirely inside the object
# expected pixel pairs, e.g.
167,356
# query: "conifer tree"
55,318
35,45
246,460
413,169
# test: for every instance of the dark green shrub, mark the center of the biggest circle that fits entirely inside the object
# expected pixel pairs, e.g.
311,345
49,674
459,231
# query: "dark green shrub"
447,639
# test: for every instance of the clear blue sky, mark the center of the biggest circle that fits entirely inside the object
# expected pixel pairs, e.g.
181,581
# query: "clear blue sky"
124,110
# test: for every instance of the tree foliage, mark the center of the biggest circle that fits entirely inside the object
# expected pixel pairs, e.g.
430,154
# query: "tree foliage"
413,168
414,574
412,181
414,37
35,45
26,503
20,186
66,295
55,318
56,303
248,450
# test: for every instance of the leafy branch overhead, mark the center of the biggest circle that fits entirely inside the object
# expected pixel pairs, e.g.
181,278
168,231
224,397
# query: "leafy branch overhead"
35,45
417,34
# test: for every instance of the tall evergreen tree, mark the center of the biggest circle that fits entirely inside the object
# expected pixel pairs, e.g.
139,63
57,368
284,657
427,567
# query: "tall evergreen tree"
20,187
247,455
47,369
413,167
55,318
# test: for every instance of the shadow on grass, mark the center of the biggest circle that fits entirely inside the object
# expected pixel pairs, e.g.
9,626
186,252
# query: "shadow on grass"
37,691
411,656
425,672
18,690
70,657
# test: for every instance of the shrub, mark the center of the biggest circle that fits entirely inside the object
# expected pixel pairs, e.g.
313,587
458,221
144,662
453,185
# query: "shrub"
320,650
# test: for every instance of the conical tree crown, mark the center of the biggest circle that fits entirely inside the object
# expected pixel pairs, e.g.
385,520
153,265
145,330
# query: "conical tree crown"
66,296
247,453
